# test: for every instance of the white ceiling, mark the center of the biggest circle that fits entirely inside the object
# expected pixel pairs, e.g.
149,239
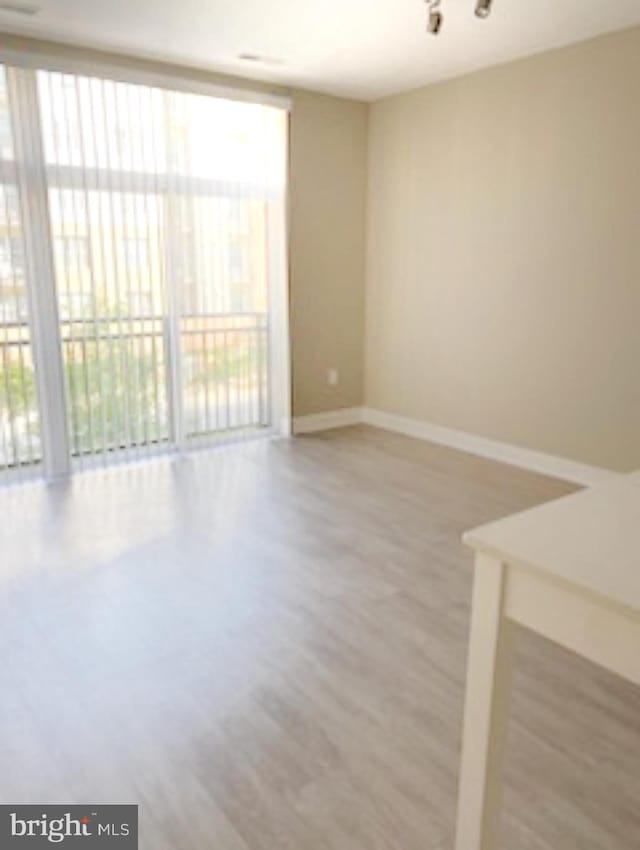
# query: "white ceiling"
364,49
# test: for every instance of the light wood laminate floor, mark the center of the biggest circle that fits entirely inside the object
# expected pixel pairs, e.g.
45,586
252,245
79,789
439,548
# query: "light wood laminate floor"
265,647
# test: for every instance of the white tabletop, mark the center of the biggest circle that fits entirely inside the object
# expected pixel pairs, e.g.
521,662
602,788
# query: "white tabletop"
591,539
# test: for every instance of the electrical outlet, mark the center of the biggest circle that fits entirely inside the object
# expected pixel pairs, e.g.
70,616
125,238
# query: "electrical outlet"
333,378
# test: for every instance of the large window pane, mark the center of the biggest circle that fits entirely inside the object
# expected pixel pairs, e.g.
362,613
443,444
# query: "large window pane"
93,123
224,327
150,224
111,306
159,216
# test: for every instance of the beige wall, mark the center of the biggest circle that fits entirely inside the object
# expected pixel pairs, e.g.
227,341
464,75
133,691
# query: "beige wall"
327,215
327,231
503,290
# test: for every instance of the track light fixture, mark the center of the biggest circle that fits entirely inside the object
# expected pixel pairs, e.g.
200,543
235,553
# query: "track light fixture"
434,20
483,8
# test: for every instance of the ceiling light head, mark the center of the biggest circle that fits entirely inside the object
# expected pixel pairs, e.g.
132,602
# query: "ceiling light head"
434,21
483,8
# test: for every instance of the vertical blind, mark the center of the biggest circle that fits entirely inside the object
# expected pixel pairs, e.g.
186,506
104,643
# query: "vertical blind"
20,440
138,232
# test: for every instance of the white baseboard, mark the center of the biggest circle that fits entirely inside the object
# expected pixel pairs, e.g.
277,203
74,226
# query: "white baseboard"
325,421
534,461
556,467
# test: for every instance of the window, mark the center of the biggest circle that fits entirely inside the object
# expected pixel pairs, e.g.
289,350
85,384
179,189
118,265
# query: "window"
163,215
73,251
238,262
136,253
140,303
238,218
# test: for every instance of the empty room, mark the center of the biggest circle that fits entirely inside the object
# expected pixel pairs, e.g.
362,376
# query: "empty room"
320,424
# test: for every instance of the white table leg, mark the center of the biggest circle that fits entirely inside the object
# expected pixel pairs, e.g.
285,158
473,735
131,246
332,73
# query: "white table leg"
486,711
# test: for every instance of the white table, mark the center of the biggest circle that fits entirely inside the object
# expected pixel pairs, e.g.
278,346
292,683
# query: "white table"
568,570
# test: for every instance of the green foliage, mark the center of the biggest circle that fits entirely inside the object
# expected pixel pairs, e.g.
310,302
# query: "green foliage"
116,387
17,387
19,439
215,364
116,393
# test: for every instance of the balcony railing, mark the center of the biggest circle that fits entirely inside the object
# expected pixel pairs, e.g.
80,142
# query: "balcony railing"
119,393
20,443
225,372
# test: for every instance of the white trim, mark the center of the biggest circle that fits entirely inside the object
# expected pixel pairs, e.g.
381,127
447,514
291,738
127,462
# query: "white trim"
286,427
279,354
51,60
534,461
545,464
325,421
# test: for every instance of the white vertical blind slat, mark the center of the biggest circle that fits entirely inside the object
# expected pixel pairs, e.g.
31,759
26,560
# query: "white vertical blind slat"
40,300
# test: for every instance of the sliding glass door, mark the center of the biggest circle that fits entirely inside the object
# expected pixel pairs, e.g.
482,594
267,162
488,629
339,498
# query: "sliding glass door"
104,151
163,218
